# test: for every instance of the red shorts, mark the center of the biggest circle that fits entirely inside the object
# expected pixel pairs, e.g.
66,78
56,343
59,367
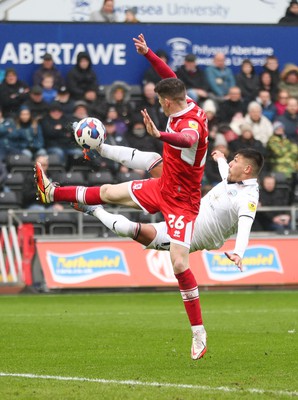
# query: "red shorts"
178,216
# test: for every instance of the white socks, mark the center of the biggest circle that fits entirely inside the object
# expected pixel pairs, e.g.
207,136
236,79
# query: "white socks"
117,223
129,157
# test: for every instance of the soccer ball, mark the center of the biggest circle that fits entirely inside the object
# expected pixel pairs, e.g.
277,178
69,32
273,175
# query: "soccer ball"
89,133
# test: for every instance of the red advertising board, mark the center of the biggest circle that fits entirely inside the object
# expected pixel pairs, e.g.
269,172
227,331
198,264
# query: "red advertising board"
124,263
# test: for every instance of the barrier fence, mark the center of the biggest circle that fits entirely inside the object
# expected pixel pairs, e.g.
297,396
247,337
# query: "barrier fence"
80,260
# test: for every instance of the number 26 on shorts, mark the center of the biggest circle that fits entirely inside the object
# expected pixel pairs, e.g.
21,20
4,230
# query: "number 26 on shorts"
175,222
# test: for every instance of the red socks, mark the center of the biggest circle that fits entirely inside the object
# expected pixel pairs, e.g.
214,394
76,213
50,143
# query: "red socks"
75,194
190,296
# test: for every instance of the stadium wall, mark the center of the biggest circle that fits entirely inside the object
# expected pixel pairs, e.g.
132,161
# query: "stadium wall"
113,55
123,263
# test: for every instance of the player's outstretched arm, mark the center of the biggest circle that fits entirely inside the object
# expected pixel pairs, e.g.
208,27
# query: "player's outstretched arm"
163,70
223,166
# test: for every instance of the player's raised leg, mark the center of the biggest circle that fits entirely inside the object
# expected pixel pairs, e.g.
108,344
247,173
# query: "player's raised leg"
49,192
119,224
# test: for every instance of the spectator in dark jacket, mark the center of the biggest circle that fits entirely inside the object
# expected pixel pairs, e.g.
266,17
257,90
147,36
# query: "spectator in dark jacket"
58,134
151,103
48,67
13,93
291,16
193,78
247,81
37,105
81,77
272,67
232,106
245,140
150,74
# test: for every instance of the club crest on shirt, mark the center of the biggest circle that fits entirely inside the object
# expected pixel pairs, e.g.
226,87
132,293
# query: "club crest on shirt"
252,206
193,124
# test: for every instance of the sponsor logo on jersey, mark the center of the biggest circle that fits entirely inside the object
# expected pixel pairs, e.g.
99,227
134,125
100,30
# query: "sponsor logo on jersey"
137,186
252,206
86,265
257,259
193,124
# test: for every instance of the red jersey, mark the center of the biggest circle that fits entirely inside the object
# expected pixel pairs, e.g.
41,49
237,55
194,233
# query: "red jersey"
183,168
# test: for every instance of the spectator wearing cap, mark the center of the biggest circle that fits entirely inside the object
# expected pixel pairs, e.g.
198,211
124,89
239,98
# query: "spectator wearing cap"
35,103
150,75
57,133
81,77
193,78
290,120
245,140
48,67
219,77
65,101
105,14
30,136
291,16
80,110
282,153
289,80
131,15
13,93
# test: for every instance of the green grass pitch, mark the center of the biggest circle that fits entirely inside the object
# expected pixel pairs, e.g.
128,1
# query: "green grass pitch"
137,346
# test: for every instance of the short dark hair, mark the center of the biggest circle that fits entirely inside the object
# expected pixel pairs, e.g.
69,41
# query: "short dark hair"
255,157
172,88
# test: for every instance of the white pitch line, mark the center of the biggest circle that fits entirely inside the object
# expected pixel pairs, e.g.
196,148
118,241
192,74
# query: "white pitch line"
153,384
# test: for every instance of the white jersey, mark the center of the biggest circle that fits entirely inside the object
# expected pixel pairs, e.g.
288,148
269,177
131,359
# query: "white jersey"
221,212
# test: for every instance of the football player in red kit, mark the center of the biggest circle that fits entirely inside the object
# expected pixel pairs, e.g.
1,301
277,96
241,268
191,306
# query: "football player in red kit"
176,193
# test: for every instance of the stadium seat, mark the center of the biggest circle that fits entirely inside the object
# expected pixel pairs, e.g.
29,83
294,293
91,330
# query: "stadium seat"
75,178
37,219
100,178
19,163
55,164
128,176
9,200
60,223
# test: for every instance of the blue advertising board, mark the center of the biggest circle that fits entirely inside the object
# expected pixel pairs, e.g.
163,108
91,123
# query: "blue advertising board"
113,54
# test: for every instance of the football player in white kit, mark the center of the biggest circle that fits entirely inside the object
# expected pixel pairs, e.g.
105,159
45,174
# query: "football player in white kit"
229,207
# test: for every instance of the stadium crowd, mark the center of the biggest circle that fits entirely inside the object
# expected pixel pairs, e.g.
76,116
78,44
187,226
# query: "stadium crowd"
245,109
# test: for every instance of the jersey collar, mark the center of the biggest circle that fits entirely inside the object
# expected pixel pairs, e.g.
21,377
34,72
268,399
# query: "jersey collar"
246,182
189,107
